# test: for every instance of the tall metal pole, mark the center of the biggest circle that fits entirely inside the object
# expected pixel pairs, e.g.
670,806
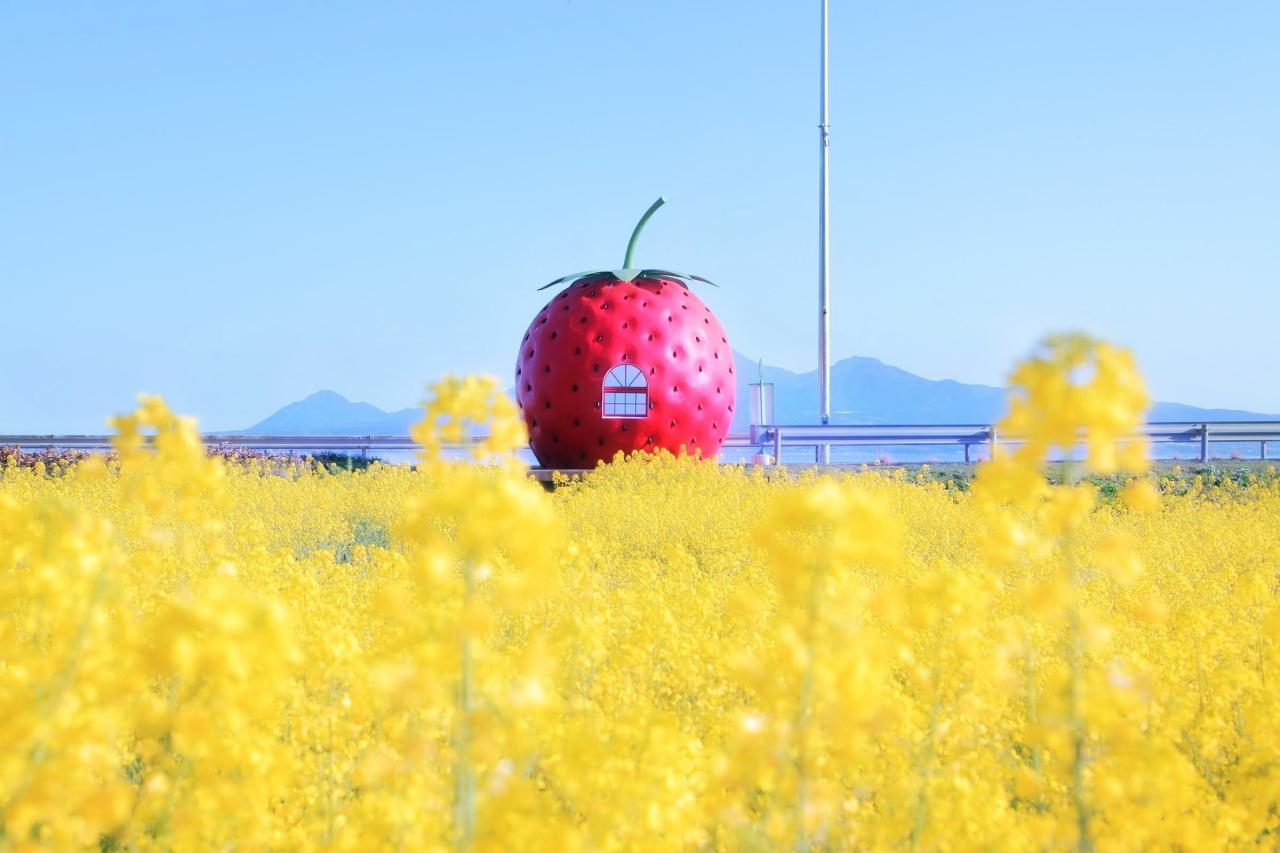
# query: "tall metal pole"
824,251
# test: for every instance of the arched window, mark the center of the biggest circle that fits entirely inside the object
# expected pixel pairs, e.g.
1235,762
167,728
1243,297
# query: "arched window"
626,392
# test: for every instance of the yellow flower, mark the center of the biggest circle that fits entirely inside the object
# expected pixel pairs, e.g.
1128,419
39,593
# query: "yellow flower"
659,655
1141,496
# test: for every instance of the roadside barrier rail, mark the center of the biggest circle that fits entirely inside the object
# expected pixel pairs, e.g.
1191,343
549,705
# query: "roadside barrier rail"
781,436
777,437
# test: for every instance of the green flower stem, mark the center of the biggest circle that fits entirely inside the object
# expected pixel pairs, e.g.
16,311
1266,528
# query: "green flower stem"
464,773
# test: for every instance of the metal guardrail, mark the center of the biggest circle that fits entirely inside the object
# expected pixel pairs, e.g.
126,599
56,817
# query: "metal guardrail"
777,436
351,443
781,436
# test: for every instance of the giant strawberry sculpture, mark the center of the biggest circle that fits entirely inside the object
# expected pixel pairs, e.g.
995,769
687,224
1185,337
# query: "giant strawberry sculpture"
626,360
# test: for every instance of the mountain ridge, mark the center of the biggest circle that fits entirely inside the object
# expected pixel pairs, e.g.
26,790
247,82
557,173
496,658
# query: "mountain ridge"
329,413
864,390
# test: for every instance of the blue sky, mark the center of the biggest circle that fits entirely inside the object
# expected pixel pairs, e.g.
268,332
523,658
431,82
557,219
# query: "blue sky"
236,204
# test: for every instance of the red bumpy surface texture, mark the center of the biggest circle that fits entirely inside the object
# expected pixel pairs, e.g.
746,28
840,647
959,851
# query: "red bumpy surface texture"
656,325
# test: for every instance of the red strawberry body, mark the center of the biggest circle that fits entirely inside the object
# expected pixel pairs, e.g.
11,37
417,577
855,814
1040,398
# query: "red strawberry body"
613,365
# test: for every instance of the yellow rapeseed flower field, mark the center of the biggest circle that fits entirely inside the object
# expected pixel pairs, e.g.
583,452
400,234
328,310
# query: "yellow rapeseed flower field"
665,655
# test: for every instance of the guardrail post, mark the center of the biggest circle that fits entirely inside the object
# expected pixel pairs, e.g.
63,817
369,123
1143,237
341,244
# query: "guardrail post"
777,445
966,452
1204,442
993,441
1262,454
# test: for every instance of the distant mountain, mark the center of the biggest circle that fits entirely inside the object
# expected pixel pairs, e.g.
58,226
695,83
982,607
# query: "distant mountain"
868,391
1178,412
330,413
863,391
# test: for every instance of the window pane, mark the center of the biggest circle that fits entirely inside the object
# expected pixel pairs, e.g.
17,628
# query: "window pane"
625,404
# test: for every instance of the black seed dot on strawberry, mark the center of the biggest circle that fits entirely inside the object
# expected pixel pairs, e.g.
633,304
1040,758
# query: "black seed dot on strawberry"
699,407
574,388
624,356
699,368
716,354
650,337
684,307
644,304
604,306
595,368
693,441
723,339
555,439
565,308
517,371
553,335
624,325
592,293
546,369
652,370
600,441
597,404
528,387
673,354
708,322
696,339
583,320
577,422
715,425
533,424
649,440
717,389
673,423
731,370
546,405
577,350
542,320
671,318
599,339
529,354
675,389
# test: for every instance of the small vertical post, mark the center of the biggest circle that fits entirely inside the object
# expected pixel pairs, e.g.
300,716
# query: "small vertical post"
993,441
966,452
777,445
1262,451
1204,442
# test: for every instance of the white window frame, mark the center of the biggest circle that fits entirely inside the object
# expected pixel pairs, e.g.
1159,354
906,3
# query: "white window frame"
624,393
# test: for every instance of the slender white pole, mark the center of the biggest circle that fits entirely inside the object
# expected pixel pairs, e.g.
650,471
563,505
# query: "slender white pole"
824,251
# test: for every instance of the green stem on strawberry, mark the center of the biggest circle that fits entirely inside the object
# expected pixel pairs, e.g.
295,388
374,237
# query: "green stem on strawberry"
631,245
